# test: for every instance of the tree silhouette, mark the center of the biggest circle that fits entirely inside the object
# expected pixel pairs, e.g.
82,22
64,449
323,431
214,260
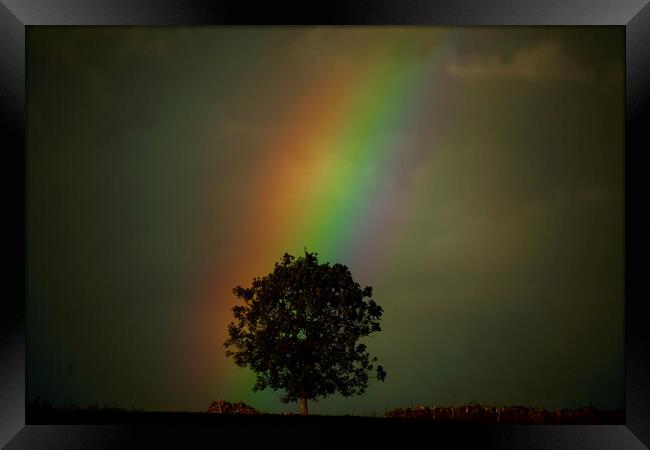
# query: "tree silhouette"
299,329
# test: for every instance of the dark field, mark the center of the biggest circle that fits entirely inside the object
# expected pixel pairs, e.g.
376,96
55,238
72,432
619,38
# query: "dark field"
221,412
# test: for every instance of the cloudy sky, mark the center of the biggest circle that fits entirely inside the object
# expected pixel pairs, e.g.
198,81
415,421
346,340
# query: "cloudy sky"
472,176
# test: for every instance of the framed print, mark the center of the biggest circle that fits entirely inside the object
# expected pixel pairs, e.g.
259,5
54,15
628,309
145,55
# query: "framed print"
241,225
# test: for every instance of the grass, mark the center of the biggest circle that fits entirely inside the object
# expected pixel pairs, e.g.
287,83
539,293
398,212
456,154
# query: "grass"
44,412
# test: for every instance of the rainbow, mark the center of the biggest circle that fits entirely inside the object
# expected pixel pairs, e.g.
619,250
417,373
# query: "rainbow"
320,187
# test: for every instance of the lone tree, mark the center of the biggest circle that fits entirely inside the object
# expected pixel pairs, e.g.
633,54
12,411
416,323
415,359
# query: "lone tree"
299,329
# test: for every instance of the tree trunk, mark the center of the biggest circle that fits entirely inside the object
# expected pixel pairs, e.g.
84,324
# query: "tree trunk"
303,406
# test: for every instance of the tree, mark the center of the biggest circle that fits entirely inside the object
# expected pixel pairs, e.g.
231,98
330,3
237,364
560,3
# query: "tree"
299,329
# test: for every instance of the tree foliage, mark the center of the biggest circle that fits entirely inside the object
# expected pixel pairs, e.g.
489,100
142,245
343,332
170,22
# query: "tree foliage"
299,329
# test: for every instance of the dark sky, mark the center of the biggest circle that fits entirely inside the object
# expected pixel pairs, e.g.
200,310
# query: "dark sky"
472,176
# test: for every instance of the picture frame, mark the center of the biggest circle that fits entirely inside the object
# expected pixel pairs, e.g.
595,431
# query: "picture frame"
633,15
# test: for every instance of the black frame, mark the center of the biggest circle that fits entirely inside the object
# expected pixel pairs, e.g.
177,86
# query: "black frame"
634,15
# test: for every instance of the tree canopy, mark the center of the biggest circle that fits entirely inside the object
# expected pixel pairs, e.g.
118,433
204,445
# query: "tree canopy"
299,329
